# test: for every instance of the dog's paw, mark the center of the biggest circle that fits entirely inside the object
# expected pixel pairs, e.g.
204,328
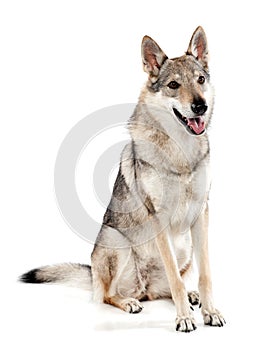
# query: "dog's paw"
213,318
131,305
185,324
193,298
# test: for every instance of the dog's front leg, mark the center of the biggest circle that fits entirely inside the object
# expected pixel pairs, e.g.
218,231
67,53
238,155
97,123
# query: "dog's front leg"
184,321
199,232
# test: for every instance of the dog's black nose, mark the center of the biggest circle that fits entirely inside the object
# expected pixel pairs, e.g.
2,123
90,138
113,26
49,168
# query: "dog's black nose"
199,108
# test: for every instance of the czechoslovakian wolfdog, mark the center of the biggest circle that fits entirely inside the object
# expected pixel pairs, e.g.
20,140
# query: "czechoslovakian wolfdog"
158,213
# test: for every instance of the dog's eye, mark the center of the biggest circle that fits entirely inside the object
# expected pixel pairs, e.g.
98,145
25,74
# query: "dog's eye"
201,79
173,85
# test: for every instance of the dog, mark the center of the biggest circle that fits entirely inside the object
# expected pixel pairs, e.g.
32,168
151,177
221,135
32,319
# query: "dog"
158,213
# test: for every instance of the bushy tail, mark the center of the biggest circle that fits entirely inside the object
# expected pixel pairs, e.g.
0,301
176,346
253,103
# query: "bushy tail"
75,275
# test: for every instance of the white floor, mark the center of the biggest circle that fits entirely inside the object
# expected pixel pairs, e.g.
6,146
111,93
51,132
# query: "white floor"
55,317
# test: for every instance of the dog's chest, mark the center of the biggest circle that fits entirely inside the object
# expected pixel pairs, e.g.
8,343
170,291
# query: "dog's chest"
189,195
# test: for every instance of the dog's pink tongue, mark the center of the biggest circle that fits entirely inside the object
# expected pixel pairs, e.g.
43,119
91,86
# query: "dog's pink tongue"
197,124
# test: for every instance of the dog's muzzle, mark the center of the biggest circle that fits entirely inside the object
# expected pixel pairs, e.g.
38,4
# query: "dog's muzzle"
195,125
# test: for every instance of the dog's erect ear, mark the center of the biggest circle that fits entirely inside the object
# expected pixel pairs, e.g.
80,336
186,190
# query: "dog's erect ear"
198,47
152,57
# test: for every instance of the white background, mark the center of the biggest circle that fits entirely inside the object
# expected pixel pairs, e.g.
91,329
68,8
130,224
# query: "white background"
60,61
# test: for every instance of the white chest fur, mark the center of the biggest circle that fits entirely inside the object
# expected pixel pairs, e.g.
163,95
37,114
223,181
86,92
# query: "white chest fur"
192,196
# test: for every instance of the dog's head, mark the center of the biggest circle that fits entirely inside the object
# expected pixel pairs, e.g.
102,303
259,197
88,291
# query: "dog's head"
183,82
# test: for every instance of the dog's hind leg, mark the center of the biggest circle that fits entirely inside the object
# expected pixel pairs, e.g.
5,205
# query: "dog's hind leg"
105,285
111,268
131,305
122,275
107,267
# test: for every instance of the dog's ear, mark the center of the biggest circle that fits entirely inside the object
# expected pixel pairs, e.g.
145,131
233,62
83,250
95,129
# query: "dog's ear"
198,47
152,57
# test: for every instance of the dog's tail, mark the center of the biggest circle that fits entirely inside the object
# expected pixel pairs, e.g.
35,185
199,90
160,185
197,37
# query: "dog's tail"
75,275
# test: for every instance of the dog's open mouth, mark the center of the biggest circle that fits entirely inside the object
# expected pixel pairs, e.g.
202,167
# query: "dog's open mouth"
195,126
